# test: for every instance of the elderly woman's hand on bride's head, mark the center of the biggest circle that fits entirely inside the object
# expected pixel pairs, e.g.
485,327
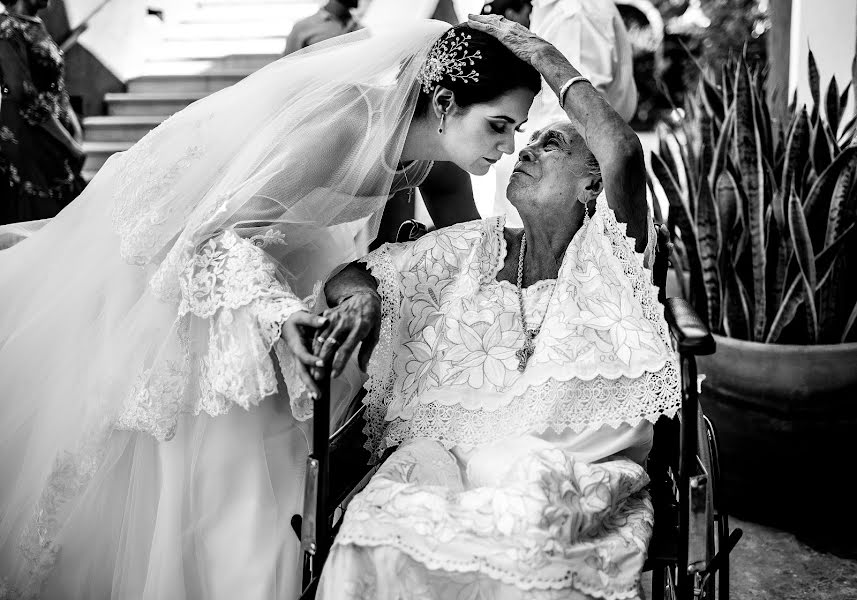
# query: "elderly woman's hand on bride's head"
355,320
521,41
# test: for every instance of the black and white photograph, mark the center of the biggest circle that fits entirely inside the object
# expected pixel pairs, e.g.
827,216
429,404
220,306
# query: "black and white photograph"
428,299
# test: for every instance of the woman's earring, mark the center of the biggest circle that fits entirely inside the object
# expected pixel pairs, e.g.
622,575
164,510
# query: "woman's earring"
584,201
442,117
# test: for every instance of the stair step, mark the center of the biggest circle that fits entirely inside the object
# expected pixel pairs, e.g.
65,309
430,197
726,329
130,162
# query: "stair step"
227,31
97,153
196,66
203,82
249,12
209,49
156,105
245,2
118,129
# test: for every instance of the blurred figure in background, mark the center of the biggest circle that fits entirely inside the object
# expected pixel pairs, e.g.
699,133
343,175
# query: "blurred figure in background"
40,152
514,10
592,35
331,20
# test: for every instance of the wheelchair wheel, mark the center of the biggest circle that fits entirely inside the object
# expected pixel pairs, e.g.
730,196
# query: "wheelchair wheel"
710,535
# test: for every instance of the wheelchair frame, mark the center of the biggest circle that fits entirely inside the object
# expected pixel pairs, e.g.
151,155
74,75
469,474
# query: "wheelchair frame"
690,546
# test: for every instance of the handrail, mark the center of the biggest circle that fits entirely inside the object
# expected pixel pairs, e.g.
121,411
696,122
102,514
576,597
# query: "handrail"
71,39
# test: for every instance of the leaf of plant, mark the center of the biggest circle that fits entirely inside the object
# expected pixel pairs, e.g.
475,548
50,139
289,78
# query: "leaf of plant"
806,261
718,159
657,214
706,146
843,200
847,136
749,139
736,317
763,123
787,310
820,148
843,98
666,153
708,232
832,104
727,204
710,97
818,205
824,263
797,146
849,325
813,80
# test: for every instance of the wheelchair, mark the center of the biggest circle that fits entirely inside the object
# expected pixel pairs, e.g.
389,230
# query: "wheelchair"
689,551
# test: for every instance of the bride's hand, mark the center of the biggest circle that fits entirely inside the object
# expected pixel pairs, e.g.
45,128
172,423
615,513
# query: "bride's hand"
523,43
297,333
355,319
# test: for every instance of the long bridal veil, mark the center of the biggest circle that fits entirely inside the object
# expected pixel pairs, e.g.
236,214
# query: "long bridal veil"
154,301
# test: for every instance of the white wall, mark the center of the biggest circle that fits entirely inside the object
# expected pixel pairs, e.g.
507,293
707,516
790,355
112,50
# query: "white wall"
829,28
117,34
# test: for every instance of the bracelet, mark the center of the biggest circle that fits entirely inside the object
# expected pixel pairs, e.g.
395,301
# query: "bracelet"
564,89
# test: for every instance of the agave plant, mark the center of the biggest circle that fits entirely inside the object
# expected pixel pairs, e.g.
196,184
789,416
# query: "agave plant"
762,214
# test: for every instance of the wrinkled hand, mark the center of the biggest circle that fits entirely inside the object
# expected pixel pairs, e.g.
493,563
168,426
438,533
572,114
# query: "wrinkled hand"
521,41
356,319
297,333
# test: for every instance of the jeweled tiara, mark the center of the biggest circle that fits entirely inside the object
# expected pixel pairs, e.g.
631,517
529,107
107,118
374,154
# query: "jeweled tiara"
449,57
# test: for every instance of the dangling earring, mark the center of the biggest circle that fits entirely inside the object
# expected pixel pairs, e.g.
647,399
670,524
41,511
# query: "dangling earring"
442,117
583,200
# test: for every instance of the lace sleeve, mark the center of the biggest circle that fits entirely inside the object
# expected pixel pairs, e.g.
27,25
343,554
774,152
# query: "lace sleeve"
235,286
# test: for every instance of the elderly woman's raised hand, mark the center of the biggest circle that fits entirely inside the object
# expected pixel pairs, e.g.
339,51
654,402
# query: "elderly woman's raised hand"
525,44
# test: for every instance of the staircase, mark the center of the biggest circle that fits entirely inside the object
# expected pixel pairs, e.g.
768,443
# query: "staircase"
207,46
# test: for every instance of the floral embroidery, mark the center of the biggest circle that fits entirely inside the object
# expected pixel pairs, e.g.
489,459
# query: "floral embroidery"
457,330
555,523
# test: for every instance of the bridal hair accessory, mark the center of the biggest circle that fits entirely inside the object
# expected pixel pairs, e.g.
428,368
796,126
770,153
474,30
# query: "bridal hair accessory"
449,57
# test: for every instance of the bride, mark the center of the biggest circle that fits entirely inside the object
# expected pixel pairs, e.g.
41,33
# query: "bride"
152,432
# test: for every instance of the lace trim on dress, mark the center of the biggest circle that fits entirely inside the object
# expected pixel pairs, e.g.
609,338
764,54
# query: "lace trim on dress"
68,479
379,386
571,525
553,405
233,306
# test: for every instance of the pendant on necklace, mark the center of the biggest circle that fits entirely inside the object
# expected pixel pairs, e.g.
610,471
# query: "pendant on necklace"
527,350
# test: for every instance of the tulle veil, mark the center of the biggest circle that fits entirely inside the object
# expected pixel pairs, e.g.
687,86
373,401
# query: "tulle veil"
153,302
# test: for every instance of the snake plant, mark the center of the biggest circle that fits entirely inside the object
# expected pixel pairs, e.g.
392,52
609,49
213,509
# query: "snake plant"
763,213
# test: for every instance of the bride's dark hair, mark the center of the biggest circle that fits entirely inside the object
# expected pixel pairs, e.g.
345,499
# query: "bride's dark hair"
499,72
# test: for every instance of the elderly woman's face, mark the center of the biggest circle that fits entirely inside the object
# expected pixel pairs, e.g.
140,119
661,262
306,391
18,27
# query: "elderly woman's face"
552,170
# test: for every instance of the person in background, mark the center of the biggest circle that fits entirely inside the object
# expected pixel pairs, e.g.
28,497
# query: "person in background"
514,10
40,152
331,20
592,35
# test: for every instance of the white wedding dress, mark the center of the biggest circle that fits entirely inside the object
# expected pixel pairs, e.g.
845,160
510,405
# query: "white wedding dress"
152,429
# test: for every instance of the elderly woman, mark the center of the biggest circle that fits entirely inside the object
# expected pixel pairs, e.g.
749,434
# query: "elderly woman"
518,373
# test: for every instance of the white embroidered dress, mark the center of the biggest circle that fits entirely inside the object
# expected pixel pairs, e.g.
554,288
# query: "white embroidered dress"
508,484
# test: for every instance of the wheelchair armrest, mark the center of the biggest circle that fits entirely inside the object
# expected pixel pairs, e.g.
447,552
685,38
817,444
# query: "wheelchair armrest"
690,333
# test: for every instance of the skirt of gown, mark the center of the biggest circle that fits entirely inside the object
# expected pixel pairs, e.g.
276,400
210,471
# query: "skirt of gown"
91,510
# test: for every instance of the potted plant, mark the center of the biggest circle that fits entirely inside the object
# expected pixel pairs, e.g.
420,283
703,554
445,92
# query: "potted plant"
763,216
